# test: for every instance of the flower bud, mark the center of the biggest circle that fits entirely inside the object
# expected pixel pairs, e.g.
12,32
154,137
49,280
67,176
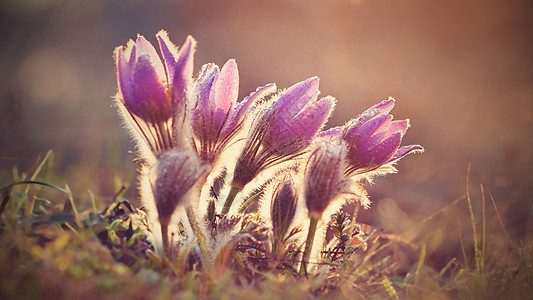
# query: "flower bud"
283,207
175,173
324,175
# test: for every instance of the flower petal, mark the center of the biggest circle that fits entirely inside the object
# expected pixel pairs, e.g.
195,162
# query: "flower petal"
131,52
182,74
400,125
179,64
242,108
150,101
259,94
384,106
359,136
224,93
294,99
403,151
169,51
201,96
333,133
144,48
378,154
306,124
226,89
124,75
204,85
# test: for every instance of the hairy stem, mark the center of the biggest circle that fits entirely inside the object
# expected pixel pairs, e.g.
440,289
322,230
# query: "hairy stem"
164,236
202,242
354,216
313,222
229,200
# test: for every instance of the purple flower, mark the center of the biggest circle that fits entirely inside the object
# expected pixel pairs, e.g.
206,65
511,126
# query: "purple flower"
283,130
217,116
373,138
152,92
297,116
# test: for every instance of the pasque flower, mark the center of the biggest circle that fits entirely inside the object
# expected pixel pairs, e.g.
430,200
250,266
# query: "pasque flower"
281,200
175,173
296,117
283,128
324,176
151,93
373,138
283,205
217,117
324,181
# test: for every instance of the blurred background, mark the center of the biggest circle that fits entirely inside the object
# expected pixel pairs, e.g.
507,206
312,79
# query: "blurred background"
461,71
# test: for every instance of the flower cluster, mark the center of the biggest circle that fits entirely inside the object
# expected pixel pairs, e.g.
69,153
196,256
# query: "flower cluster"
186,129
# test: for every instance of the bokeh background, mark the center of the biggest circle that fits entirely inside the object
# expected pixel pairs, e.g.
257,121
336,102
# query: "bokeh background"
461,71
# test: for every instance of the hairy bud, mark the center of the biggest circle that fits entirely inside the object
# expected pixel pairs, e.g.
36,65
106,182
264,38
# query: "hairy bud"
175,174
324,175
283,208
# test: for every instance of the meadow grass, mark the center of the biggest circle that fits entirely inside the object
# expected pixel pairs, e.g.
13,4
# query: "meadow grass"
57,244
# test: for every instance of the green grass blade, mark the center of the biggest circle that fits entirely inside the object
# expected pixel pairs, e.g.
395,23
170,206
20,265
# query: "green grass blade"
447,267
8,186
389,288
39,168
4,203
245,204
71,199
421,260
462,244
93,200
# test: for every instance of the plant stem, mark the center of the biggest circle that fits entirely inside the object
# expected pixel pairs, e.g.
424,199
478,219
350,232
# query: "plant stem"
355,213
164,236
275,245
229,200
200,237
313,221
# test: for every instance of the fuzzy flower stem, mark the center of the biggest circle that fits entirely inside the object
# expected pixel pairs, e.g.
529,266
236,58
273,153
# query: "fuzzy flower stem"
164,235
197,231
309,244
229,200
355,213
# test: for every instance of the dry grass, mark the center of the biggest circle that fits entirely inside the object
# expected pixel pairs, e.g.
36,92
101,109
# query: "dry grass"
56,246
